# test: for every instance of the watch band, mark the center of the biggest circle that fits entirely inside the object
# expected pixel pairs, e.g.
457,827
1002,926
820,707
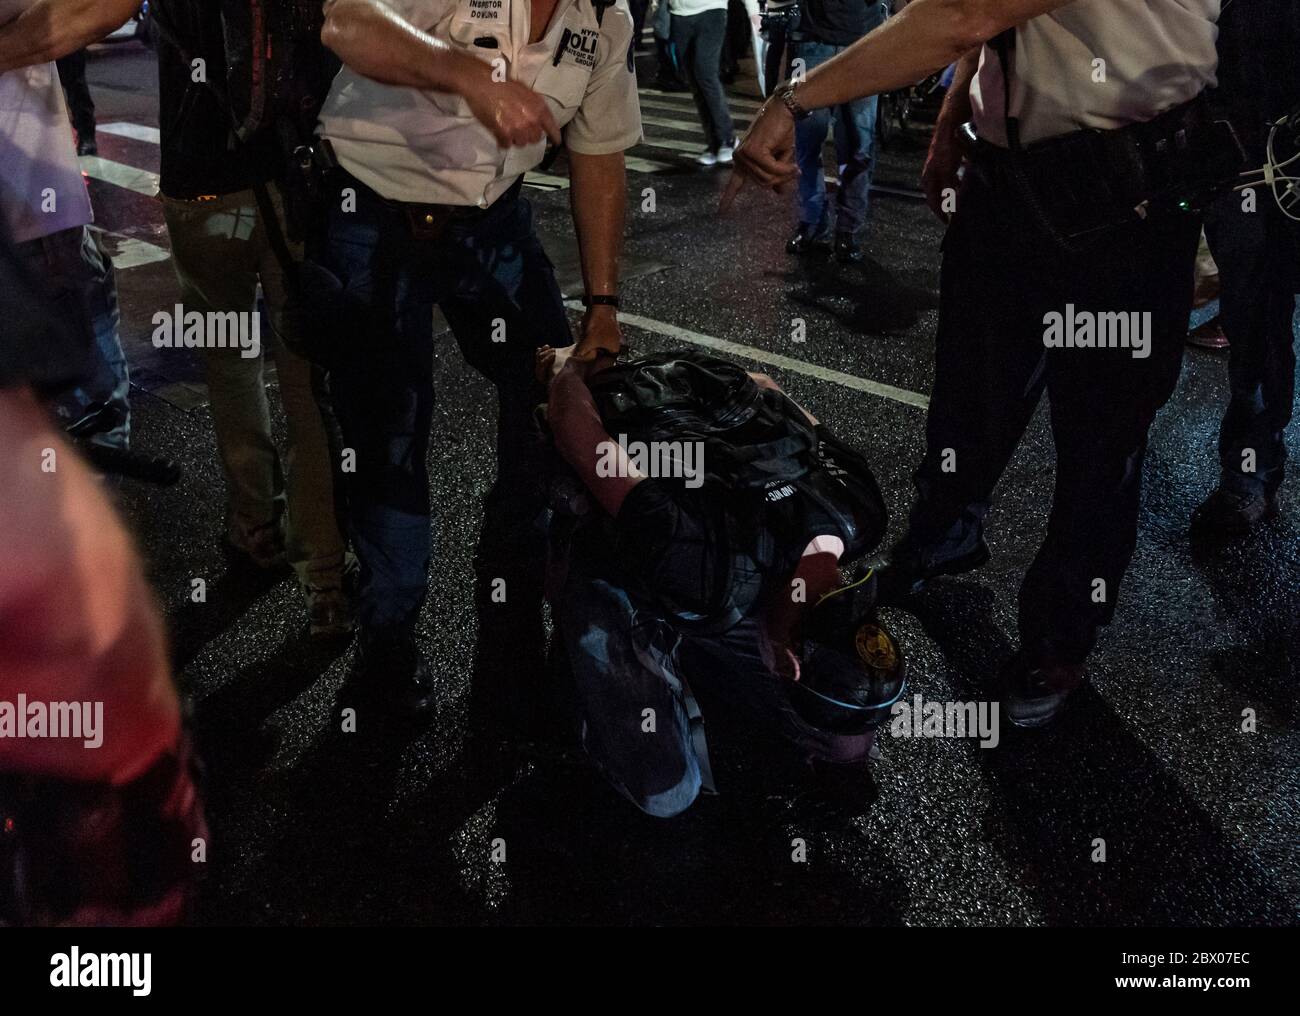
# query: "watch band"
601,299
786,94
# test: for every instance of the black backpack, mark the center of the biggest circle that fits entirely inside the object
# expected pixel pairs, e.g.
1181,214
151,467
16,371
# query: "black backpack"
767,471
278,73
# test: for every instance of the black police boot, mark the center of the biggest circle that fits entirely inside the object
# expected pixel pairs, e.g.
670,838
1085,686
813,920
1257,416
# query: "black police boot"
805,241
1234,513
390,672
1035,695
847,251
902,573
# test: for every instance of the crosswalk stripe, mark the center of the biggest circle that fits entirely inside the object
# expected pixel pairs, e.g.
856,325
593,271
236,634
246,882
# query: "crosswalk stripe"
778,360
679,125
131,252
639,165
120,175
740,116
672,145
137,131
731,99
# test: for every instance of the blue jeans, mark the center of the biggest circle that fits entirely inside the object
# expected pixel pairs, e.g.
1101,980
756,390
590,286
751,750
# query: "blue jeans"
632,674
1258,254
371,285
78,277
855,141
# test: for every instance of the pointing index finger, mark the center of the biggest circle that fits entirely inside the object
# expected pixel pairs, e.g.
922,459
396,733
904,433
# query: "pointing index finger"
734,183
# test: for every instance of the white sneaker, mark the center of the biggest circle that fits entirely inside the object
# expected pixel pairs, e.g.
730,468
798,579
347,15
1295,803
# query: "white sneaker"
708,157
726,153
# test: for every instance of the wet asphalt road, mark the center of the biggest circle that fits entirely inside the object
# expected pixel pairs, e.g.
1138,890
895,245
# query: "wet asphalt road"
1200,821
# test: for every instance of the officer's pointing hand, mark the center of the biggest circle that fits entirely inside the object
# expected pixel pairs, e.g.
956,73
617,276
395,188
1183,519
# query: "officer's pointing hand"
514,113
765,154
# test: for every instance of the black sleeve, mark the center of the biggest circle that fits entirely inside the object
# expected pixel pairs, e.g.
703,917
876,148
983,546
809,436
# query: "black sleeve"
665,544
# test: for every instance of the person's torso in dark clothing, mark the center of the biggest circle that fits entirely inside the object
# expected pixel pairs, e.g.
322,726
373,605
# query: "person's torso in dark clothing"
1259,64
838,22
199,153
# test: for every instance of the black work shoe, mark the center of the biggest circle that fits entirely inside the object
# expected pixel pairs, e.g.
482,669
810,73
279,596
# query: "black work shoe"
87,146
847,251
1035,695
1234,513
803,242
392,673
901,574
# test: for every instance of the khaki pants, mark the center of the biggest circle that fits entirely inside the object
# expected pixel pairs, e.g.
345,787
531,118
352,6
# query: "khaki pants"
221,253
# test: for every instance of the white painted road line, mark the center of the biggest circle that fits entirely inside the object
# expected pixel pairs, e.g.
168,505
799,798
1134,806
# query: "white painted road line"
120,175
777,360
733,100
130,252
138,131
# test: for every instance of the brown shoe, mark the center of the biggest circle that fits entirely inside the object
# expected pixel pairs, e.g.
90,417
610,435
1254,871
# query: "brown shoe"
263,546
331,612
1208,336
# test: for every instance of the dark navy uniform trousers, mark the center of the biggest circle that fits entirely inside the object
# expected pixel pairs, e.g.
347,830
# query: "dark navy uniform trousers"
1001,277
372,284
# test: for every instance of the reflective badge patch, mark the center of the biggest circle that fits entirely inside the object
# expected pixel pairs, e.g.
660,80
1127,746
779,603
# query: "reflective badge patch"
875,648
579,46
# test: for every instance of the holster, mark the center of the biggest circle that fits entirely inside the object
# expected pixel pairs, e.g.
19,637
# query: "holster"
1091,181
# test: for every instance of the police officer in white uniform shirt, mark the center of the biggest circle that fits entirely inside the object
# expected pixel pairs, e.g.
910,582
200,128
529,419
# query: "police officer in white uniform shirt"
1067,266
442,105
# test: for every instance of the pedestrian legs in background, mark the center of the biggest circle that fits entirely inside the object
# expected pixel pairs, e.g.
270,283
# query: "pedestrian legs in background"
698,38
1209,333
78,275
1258,254
72,75
221,252
854,126
671,76
775,62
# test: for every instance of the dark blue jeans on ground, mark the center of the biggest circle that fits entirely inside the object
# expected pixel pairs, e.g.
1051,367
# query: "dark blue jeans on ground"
991,369
624,658
77,274
854,126
1258,254
373,286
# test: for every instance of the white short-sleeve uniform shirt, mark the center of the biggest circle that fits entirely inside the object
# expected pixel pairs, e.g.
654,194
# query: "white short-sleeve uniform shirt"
41,187
1098,63
426,147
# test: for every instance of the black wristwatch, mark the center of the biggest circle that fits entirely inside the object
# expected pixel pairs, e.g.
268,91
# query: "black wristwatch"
786,94
601,300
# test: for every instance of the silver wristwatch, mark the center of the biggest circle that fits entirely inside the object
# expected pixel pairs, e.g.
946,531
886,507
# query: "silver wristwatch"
786,94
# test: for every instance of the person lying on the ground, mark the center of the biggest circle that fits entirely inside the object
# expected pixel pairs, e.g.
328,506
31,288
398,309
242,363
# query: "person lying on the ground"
710,557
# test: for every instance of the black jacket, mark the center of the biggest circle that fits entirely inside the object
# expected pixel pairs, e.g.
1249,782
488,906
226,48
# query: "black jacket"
216,39
838,22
